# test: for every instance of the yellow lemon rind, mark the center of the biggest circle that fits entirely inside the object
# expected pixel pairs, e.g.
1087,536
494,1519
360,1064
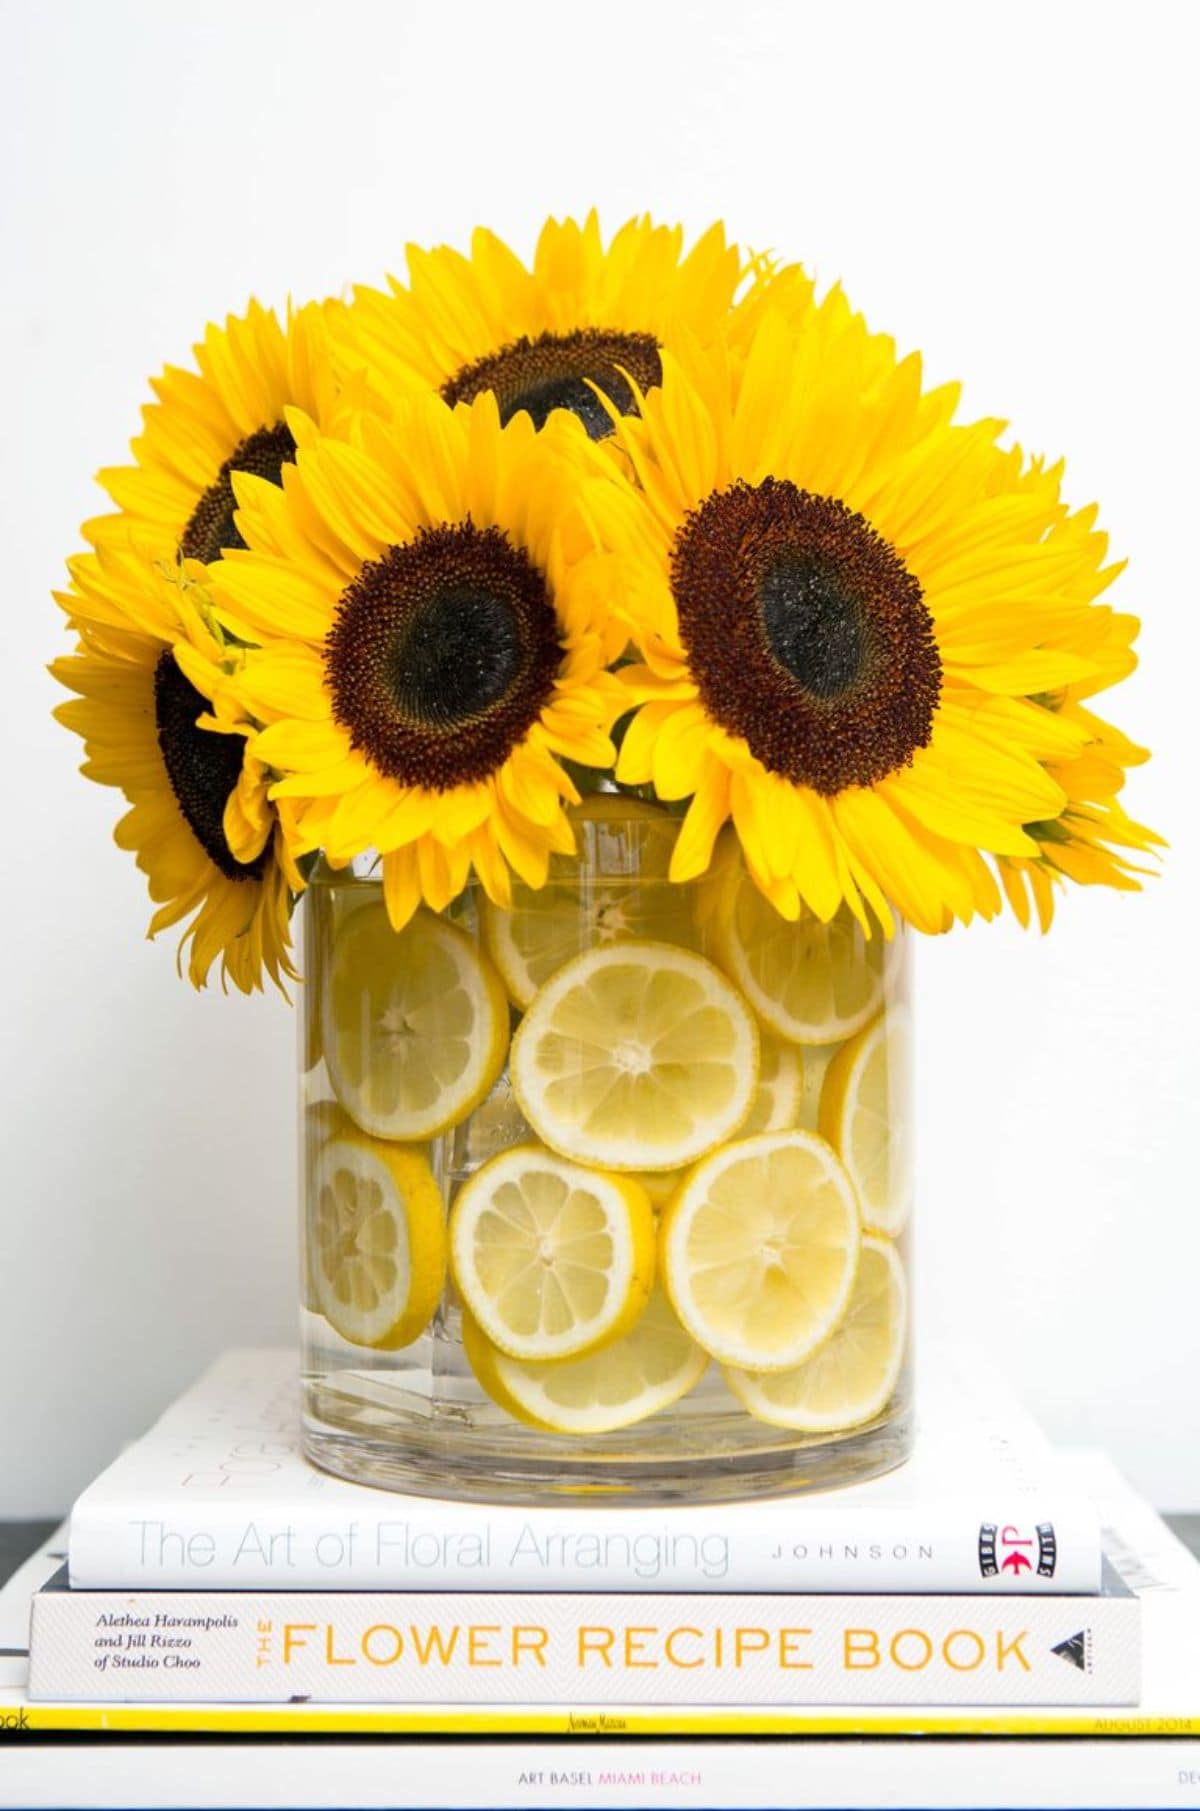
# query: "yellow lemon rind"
495,930
485,1360
730,953
622,1159
502,1378
491,1000
869,1406
636,1217
320,1121
786,1087
422,1216
838,1088
692,1194
496,922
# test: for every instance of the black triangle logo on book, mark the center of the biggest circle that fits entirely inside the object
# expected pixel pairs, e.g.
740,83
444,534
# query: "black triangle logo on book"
1074,1649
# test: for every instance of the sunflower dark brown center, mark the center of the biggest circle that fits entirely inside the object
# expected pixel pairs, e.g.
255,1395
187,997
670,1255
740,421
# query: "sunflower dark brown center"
202,766
442,655
211,528
556,371
806,633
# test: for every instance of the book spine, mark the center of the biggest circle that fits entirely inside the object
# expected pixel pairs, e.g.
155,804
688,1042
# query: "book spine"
999,1549
582,1649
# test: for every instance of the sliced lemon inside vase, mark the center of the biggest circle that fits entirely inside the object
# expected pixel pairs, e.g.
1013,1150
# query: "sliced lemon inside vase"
616,888
776,1105
808,982
320,1120
636,1057
414,1023
758,1249
852,1377
817,1058
378,1243
646,1370
552,1260
866,1114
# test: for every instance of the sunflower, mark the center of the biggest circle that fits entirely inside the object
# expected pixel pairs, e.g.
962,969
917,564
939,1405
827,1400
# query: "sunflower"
1091,841
199,822
587,316
433,622
849,611
176,501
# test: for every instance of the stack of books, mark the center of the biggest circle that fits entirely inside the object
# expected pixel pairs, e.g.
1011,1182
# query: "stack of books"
213,1580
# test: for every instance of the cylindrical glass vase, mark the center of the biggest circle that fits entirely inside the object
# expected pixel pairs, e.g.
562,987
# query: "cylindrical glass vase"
609,1192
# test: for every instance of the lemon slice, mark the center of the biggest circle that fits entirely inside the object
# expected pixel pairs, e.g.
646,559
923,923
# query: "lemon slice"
851,1378
636,1057
320,1121
646,1370
866,1114
817,1058
414,1024
759,1248
780,1088
625,892
808,982
552,1260
379,1252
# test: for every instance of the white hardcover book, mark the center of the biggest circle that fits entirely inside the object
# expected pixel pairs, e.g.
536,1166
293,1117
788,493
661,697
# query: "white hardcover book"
219,1495
1163,1575
537,1774
565,1647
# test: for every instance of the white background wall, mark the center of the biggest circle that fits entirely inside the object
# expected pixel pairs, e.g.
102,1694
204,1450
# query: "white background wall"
1012,189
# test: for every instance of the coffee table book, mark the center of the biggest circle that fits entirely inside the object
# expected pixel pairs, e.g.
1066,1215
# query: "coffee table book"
568,1647
218,1495
1158,1568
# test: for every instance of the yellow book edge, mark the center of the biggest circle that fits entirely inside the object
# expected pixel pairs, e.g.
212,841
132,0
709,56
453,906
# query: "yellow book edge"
290,1719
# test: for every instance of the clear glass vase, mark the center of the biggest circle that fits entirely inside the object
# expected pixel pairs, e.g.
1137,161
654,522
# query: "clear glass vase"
610,1192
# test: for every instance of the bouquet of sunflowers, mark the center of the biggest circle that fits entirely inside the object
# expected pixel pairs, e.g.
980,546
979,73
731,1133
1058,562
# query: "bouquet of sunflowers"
386,575
641,600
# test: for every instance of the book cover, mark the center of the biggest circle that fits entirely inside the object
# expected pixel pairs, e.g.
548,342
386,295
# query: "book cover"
405,1647
543,1774
219,1495
1158,1567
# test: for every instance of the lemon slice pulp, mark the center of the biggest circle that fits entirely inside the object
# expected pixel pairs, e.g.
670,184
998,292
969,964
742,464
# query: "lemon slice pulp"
780,1088
644,1371
623,892
320,1120
637,1057
866,1114
379,1246
759,1249
414,1024
850,1380
552,1260
808,982
817,1058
